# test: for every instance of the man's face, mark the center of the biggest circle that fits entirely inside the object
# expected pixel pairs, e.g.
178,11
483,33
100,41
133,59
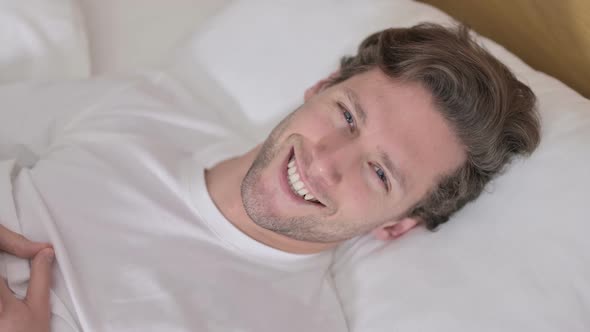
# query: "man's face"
367,149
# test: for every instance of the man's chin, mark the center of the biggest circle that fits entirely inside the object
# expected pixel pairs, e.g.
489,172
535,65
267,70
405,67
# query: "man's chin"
295,229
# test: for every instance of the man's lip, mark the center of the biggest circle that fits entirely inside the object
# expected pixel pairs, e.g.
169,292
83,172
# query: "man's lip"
303,177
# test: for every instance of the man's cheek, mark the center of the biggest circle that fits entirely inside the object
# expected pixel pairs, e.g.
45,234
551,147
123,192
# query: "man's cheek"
357,199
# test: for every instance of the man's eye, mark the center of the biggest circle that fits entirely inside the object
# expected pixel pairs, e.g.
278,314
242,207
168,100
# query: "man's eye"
381,174
348,117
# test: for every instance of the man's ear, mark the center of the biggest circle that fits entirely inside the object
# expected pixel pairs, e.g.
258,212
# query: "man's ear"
319,86
394,229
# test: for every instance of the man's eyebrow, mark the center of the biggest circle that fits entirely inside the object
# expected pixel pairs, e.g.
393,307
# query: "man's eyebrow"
393,169
358,108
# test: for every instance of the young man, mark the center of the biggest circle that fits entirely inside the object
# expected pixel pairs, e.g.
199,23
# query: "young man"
163,218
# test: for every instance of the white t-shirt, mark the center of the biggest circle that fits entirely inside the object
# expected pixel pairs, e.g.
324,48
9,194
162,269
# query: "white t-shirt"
119,191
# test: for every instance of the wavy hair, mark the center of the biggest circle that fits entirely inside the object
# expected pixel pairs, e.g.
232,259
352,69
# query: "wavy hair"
492,113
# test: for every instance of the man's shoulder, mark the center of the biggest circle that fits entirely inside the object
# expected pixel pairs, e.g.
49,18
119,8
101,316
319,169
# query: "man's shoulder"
150,106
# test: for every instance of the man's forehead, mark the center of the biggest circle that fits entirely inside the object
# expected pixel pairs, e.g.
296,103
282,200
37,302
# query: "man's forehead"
375,83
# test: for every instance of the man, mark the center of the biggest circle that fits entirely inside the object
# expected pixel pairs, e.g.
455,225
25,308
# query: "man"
163,218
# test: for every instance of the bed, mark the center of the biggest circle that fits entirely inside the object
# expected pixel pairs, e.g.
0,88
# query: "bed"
516,260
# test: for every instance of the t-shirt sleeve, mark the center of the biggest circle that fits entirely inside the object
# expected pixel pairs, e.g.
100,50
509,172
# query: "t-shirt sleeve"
151,109
33,113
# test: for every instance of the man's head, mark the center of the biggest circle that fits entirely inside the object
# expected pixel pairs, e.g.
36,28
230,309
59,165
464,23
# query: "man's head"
407,131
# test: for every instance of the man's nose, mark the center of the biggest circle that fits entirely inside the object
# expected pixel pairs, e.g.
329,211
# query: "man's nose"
331,157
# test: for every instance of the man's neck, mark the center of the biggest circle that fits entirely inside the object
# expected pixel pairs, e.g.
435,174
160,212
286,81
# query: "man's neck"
224,185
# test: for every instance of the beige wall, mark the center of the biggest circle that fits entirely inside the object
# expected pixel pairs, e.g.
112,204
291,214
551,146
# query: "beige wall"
550,35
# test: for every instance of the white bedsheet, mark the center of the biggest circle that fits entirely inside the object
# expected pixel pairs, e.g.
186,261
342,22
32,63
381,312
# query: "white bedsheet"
42,39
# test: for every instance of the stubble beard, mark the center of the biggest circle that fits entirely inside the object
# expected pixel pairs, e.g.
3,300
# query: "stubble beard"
302,228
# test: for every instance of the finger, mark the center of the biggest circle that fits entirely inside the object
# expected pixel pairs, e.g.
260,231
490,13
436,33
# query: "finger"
38,292
6,295
18,245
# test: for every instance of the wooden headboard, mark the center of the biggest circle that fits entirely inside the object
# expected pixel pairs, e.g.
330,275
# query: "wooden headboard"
552,36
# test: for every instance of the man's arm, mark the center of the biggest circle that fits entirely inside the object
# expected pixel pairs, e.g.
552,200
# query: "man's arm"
32,314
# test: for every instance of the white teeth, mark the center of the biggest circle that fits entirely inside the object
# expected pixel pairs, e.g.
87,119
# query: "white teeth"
294,177
302,192
298,185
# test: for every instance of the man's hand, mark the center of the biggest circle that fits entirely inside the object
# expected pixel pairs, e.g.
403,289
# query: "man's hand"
33,313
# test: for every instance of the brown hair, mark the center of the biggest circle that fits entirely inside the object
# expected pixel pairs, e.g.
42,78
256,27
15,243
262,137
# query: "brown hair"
493,114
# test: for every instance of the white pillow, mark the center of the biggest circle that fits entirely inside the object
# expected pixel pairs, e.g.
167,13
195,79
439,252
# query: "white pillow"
256,50
42,39
130,35
515,260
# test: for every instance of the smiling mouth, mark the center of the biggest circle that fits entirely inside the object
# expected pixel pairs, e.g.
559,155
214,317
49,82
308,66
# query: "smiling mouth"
296,183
